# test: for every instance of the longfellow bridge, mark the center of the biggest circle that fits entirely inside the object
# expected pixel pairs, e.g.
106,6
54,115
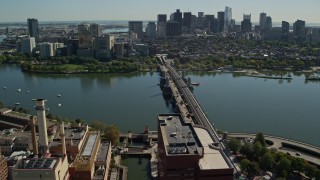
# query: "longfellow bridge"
178,89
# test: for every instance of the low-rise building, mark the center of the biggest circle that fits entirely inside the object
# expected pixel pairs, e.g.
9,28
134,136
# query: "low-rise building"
193,146
49,168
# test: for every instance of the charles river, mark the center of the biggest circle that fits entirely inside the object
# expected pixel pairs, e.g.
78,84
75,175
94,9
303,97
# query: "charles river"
131,101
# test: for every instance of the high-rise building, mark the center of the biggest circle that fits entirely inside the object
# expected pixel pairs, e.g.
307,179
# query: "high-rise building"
136,27
72,47
95,30
179,141
103,47
187,19
263,20
200,14
46,49
177,17
85,38
221,21
33,28
151,30
161,25
285,30
162,18
268,23
28,44
173,28
227,18
246,25
299,30
210,22
119,50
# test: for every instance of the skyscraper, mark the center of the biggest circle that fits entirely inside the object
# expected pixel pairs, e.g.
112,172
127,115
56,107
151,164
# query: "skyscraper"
187,19
33,28
210,22
263,19
221,21
94,30
151,30
85,38
299,28
246,25
268,23
136,27
173,28
177,16
200,14
285,30
161,25
227,18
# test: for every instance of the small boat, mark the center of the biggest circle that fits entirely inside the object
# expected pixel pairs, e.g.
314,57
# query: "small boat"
5,88
18,90
58,105
58,95
28,91
17,104
195,84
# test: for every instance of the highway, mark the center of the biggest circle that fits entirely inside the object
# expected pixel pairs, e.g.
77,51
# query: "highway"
199,116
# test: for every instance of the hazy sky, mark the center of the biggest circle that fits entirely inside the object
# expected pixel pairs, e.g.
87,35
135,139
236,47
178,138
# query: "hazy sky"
60,10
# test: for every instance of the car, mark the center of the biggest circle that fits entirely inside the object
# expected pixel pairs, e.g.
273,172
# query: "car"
298,154
288,154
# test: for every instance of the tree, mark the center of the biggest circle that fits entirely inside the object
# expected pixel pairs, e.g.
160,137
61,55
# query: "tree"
253,169
266,161
244,165
311,170
111,133
298,164
283,167
1,105
247,149
234,145
260,138
98,125
257,148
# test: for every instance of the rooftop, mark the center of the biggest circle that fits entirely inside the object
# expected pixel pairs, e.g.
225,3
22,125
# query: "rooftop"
212,158
37,163
179,137
102,151
88,149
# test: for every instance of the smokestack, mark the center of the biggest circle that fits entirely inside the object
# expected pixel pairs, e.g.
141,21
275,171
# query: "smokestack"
33,135
63,139
42,126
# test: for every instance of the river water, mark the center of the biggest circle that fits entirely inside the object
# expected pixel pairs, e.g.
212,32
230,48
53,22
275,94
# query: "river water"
131,101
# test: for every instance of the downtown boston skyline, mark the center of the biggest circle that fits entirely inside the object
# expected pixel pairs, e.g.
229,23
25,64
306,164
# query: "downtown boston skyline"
82,10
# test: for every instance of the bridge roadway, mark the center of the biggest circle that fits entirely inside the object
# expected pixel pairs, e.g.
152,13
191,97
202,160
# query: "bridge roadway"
195,109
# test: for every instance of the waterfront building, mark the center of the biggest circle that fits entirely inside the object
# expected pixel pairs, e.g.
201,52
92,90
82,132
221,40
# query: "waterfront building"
72,47
48,167
178,142
143,49
299,30
227,18
136,27
56,46
119,50
151,30
221,21
33,28
74,141
187,20
85,38
103,47
285,30
46,49
93,156
27,44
